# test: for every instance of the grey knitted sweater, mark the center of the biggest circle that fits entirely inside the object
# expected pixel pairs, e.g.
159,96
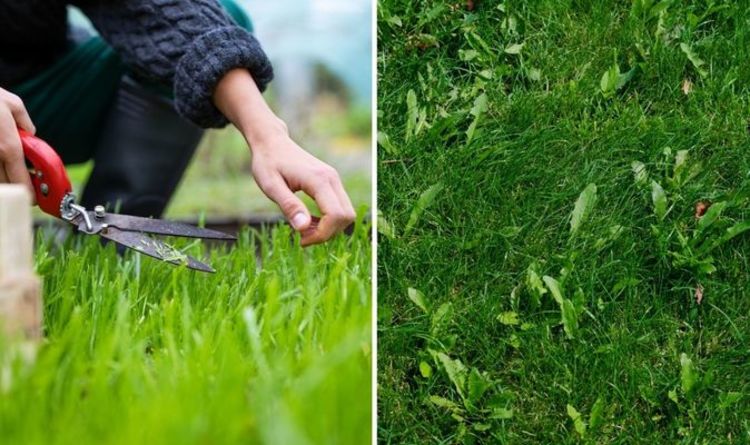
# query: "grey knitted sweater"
188,44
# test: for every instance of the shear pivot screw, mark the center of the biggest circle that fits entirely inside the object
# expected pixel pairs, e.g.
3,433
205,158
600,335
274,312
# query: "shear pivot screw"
99,211
44,188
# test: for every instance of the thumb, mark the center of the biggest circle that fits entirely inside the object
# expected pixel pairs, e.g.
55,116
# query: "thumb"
293,208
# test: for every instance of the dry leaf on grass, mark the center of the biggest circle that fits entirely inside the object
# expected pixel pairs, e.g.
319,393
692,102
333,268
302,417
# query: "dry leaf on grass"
687,86
700,208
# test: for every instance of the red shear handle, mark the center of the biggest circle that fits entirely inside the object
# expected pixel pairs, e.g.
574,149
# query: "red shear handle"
49,178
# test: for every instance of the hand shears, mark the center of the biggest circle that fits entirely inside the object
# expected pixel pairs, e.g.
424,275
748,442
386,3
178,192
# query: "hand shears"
54,195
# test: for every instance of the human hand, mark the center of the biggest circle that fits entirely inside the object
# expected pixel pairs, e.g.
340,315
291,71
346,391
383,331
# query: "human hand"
281,167
13,115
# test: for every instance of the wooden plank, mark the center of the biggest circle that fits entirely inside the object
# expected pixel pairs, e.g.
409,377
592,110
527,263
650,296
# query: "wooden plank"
16,238
21,307
20,289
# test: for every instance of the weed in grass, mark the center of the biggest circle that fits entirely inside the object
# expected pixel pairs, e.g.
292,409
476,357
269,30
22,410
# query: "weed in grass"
480,399
273,348
491,246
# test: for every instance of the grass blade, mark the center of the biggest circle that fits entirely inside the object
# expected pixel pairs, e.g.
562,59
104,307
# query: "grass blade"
712,214
596,417
514,48
385,228
578,423
424,201
640,173
688,375
412,114
583,206
385,142
659,198
456,371
569,316
480,106
731,232
554,288
694,59
417,298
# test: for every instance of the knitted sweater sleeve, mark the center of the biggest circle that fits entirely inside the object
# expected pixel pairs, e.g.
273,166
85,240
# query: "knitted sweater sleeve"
189,44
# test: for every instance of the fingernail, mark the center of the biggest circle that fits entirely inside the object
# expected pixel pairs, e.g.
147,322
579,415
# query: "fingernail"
299,220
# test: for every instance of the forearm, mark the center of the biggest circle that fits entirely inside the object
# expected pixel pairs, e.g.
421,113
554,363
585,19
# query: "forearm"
237,96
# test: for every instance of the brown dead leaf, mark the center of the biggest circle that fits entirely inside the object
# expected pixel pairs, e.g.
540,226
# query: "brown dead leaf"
687,86
700,208
699,294
470,5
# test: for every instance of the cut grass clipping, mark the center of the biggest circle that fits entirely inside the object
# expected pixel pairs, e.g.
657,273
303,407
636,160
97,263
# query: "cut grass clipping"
564,197
273,348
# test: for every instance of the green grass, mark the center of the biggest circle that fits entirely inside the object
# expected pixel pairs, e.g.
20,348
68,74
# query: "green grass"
485,149
273,348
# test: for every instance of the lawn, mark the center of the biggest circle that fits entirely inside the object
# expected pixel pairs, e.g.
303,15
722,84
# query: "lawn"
273,348
564,191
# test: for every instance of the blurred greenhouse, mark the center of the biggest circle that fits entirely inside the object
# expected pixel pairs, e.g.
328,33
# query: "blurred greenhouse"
302,34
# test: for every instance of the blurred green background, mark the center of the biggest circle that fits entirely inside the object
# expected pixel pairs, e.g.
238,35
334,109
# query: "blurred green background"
322,59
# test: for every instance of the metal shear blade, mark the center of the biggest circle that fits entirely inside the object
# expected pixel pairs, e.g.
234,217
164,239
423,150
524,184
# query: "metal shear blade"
153,248
130,231
157,226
